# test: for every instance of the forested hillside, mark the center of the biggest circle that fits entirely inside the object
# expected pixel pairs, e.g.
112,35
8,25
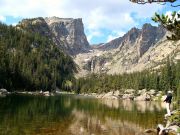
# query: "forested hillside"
29,61
164,79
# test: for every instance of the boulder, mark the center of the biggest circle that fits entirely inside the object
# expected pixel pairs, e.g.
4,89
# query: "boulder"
3,92
128,96
160,92
93,94
30,93
129,91
140,92
108,94
158,95
117,93
100,95
152,92
112,97
143,97
46,93
173,129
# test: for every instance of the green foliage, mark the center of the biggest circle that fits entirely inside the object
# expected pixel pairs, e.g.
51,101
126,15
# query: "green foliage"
175,118
31,62
163,79
171,23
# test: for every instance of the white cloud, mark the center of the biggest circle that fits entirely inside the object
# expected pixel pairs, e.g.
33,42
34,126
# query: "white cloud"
97,14
93,34
2,18
14,24
115,34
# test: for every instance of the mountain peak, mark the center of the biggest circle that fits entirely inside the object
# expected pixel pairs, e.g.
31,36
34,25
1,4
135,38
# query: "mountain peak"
55,19
67,33
147,25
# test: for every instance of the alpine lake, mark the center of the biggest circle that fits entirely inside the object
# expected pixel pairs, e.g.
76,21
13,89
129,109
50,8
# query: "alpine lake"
77,115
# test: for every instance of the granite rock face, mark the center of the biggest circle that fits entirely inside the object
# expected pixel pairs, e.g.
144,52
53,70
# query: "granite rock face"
137,50
67,33
70,32
143,39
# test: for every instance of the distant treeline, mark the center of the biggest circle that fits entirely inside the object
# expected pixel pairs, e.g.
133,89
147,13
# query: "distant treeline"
164,79
29,61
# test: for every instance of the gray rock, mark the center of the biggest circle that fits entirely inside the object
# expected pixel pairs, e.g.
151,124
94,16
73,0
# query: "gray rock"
140,92
173,128
129,91
147,36
108,94
152,92
66,33
117,93
143,97
71,32
165,130
160,92
128,96
3,92
111,97
46,93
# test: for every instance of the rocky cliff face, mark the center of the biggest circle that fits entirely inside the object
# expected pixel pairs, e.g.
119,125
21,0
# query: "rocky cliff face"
137,50
67,33
141,38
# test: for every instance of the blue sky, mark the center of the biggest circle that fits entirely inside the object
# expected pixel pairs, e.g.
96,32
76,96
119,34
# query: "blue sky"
103,20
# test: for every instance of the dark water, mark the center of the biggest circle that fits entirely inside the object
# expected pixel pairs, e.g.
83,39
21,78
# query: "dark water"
75,115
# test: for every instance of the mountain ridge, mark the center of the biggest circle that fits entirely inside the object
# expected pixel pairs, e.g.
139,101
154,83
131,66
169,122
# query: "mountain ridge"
129,53
67,33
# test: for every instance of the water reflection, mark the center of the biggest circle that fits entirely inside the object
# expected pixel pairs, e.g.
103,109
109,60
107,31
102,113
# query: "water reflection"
73,115
129,105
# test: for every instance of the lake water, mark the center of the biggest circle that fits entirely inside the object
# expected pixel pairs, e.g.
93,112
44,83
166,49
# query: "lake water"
76,115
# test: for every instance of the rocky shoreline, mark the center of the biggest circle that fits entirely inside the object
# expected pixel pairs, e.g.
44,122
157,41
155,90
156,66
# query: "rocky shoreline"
127,94
172,126
4,93
130,94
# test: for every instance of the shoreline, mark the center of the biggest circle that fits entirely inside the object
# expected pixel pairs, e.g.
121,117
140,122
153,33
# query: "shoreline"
127,94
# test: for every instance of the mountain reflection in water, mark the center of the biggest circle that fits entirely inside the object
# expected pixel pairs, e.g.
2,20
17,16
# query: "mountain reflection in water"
76,115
